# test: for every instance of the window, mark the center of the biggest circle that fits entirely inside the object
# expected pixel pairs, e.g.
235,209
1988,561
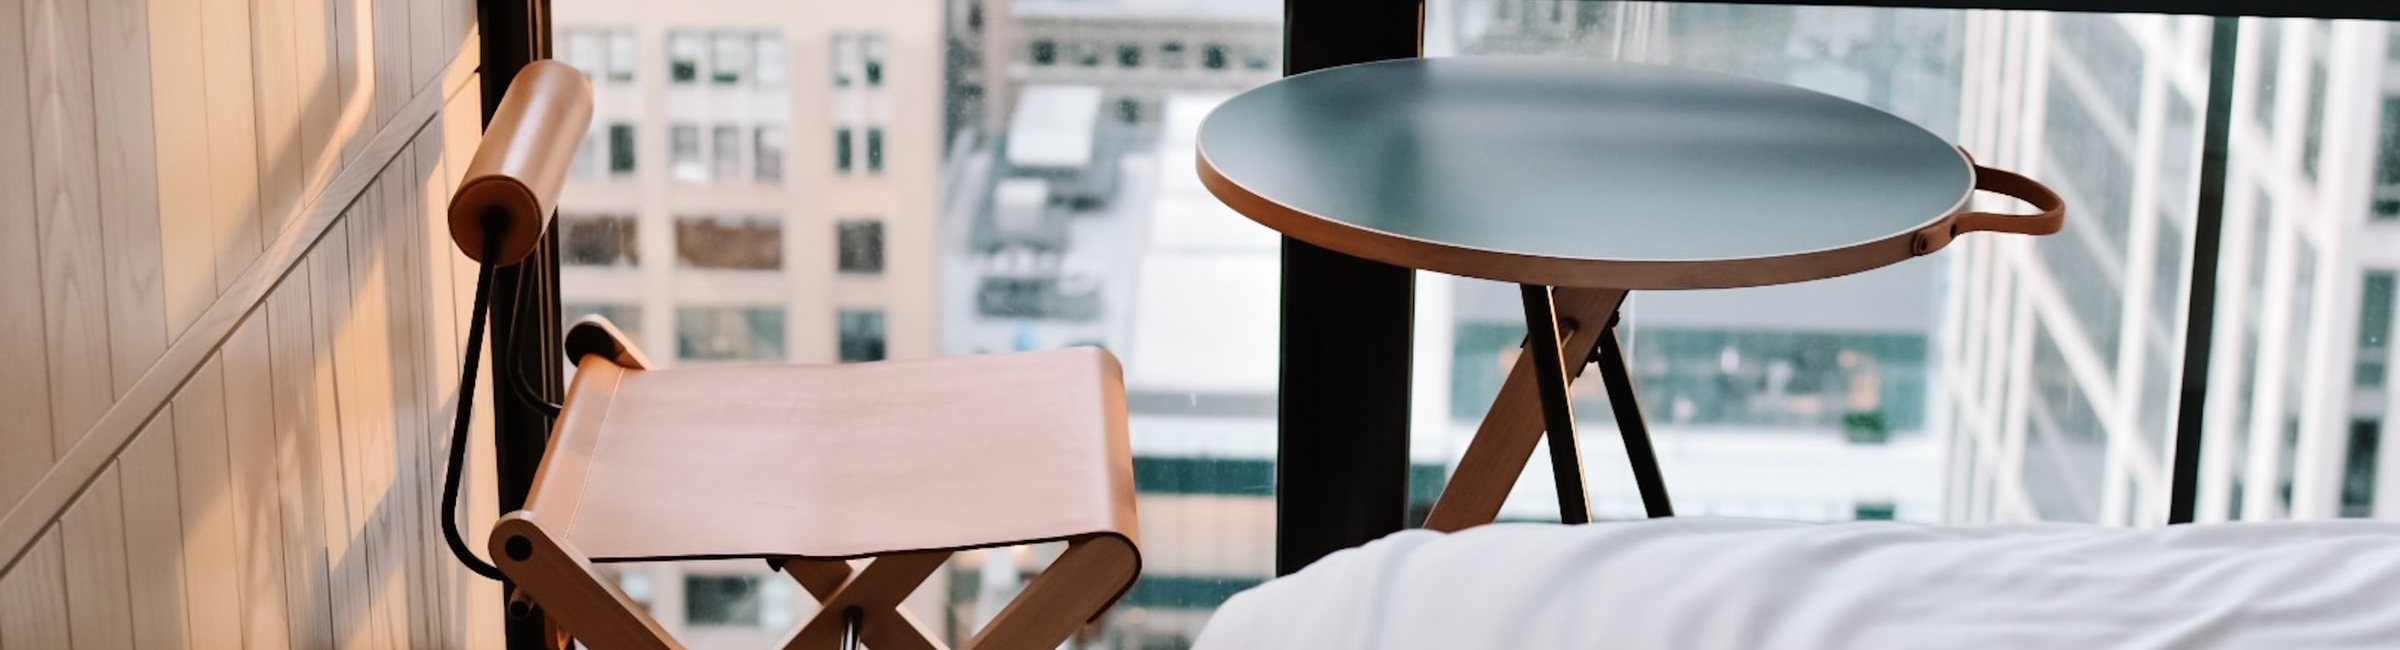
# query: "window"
862,335
1129,55
729,333
877,47
767,145
2374,330
722,601
2359,460
1045,51
732,59
841,149
845,58
627,318
726,150
770,60
860,243
725,242
597,240
1170,55
874,149
683,153
581,48
622,54
1087,55
684,51
620,148
1212,56
2387,167
588,156
1129,110
2270,66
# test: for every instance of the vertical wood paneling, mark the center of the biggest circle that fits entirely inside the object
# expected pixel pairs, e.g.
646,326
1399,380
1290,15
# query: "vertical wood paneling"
212,588
257,518
345,550
186,219
33,598
404,286
74,300
299,482
353,43
341,297
319,86
278,101
98,601
440,359
21,340
366,356
154,537
389,55
426,52
128,187
232,136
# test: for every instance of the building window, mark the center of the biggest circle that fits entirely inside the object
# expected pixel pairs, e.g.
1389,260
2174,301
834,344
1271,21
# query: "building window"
2358,468
582,49
877,50
2387,164
1874,510
860,243
1170,55
2374,330
597,240
862,335
729,242
1212,56
841,149
683,57
1129,55
726,151
732,58
588,156
1254,59
845,58
620,148
770,60
683,153
1045,51
2270,50
622,54
729,333
627,318
874,149
1129,110
723,601
767,147
1087,54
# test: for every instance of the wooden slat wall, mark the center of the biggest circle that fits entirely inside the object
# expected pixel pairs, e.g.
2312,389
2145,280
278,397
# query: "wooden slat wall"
232,324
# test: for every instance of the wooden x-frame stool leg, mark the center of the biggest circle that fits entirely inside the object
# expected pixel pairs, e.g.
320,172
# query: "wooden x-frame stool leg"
1075,588
1534,399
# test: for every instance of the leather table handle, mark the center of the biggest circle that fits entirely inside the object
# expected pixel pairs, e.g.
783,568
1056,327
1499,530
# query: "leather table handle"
2052,217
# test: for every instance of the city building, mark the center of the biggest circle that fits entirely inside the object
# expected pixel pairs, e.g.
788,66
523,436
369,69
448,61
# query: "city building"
2067,353
761,184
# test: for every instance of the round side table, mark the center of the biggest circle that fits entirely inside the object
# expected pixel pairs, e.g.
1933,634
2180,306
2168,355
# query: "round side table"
1580,181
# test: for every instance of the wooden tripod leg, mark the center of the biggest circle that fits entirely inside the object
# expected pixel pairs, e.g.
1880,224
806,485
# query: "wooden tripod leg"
876,591
1076,588
1510,429
563,582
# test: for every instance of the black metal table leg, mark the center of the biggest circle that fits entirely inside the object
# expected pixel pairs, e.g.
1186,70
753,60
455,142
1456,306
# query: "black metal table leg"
1558,409
1610,356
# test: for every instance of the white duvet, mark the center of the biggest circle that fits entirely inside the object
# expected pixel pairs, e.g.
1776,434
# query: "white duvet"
1705,583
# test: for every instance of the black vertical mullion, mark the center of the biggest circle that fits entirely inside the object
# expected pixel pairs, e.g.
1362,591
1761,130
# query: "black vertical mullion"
1341,474
2207,235
516,33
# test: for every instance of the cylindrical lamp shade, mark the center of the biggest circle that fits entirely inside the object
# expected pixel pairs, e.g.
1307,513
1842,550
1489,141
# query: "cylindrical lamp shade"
517,172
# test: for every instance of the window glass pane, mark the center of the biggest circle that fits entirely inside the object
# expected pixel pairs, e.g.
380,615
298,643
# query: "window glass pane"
846,58
597,240
874,149
684,51
860,246
729,333
683,152
841,149
877,47
723,242
770,60
2374,330
862,335
726,150
732,58
581,48
769,145
620,148
723,601
622,54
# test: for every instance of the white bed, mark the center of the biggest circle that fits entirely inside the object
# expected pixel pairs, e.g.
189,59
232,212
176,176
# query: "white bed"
1702,583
